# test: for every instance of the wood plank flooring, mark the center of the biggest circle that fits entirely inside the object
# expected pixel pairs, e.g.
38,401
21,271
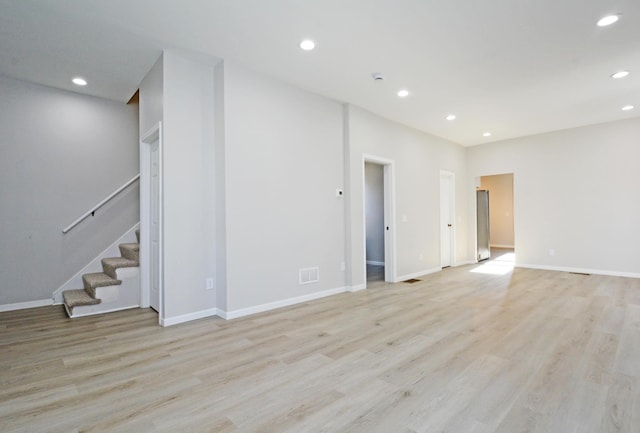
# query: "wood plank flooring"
459,352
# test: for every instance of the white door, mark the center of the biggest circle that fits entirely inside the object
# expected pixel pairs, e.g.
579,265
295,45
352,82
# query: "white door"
446,219
154,213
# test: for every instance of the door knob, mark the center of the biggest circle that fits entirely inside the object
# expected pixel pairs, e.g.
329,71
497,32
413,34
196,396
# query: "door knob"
448,225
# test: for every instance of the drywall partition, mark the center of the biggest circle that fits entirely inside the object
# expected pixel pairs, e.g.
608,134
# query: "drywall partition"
374,212
189,189
284,162
575,194
220,190
151,97
418,159
61,153
500,189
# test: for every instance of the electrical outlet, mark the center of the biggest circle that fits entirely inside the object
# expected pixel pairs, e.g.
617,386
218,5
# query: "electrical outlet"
209,283
343,266
552,252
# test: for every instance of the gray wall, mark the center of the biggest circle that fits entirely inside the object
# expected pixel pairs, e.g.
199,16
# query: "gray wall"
284,161
418,159
374,211
60,154
575,192
152,97
189,190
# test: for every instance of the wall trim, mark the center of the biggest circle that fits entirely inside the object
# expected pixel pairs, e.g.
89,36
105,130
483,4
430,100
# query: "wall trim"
228,315
373,262
402,278
502,246
580,270
25,305
170,321
464,263
357,288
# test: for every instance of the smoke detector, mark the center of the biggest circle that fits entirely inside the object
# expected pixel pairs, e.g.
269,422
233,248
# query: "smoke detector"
377,76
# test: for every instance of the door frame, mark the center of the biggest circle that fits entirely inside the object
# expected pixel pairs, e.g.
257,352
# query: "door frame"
452,215
155,133
389,218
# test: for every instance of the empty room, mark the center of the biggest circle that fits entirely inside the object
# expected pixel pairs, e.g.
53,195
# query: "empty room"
286,217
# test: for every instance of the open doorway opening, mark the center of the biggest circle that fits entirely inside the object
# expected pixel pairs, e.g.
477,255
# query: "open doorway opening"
374,220
495,212
384,249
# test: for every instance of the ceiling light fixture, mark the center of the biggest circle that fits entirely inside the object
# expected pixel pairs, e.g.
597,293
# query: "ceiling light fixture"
451,117
307,45
628,107
403,93
608,20
78,81
486,134
620,74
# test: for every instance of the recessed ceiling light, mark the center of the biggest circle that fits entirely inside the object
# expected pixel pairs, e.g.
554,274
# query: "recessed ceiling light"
628,107
620,74
608,20
403,93
451,117
307,45
79,81
486,134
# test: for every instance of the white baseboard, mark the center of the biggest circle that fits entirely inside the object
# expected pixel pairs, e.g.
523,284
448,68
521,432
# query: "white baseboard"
372,262
465,262
228,315
25,305
580,270
402,278
169,321
502,246
357,288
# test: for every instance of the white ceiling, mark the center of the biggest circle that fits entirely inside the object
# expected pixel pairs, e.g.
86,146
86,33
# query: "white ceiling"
512,67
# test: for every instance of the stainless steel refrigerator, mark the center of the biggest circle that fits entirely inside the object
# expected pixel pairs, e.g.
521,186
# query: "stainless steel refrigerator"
482,208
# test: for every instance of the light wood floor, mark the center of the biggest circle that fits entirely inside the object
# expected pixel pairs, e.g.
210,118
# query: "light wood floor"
459,352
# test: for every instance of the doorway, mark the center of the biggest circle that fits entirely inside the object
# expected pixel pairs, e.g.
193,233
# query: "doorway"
500,214
447,218
379,219
151,215
374,220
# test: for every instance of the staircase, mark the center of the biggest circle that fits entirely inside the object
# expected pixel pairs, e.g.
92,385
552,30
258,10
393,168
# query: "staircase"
116,288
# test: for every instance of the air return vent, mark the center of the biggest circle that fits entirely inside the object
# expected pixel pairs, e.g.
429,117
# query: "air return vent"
309,275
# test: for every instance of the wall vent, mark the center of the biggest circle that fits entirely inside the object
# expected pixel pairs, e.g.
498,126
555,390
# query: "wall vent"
309,275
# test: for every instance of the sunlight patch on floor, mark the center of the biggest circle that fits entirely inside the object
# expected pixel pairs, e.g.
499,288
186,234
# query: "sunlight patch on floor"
500,266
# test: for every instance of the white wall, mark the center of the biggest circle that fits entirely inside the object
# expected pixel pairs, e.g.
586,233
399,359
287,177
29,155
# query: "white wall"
374,211
152,97
500,187
283,163
576,192
60,154
189,189
220,189
418,159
